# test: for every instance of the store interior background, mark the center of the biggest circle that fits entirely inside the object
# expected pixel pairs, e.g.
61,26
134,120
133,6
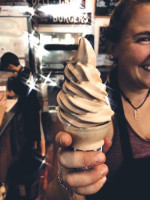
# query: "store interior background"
46,45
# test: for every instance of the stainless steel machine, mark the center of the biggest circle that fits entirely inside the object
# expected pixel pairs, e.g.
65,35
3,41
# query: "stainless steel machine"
53,53
58,48
59,27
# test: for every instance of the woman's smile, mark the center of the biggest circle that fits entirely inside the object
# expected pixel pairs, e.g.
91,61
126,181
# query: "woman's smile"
133,50
145,67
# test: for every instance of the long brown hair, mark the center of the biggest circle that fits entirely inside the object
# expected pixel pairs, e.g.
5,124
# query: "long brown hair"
120,18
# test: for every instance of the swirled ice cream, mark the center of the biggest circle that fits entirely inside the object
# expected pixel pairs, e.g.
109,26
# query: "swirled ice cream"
83,107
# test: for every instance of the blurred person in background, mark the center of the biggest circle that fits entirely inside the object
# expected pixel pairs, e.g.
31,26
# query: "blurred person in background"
28,102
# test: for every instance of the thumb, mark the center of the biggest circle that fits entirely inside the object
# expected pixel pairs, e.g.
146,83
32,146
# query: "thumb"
63,139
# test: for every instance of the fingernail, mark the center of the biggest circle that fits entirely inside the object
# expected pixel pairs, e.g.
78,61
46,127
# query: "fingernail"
104,180
62,140
104,171
99,158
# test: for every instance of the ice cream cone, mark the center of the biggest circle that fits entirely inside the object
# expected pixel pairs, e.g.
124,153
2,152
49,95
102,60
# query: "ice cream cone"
2,112
82,102
87,139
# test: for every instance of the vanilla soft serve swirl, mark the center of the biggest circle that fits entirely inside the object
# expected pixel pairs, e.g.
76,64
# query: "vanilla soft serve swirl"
82,100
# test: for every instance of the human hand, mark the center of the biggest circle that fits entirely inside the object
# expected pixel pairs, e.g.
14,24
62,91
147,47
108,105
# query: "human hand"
11,93
83,182
3,99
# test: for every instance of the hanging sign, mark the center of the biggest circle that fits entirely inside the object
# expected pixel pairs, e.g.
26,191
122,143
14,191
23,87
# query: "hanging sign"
104,7
83,18
102,48
80,3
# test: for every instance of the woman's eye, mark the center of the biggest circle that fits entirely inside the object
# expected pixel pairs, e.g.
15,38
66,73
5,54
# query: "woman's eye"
143,40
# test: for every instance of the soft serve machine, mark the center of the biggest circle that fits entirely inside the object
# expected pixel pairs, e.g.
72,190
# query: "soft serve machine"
59,39
56,52
58,48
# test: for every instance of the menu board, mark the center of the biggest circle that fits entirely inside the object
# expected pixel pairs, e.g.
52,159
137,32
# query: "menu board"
83,18
104,7
102,48
81,3
12,40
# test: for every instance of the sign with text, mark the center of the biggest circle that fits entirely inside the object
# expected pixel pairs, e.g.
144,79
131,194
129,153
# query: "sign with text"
104,7
102,48
84,18
66,2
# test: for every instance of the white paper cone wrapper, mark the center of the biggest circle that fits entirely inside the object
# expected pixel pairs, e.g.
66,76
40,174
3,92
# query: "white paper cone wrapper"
87,139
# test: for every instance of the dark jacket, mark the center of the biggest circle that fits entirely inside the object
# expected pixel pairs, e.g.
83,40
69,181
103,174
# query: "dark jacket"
28,103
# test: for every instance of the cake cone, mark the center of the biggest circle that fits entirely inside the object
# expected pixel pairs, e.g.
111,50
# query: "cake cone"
87,139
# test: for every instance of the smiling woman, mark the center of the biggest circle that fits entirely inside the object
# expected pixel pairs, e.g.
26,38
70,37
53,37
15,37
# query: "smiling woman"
128,159
133,50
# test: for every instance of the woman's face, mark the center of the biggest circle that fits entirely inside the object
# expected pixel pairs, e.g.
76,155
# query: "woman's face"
133,50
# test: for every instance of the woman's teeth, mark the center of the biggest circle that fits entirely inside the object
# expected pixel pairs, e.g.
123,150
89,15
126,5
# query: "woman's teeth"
146,67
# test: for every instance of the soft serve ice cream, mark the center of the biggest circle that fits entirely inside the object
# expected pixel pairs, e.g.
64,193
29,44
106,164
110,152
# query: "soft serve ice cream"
83,108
